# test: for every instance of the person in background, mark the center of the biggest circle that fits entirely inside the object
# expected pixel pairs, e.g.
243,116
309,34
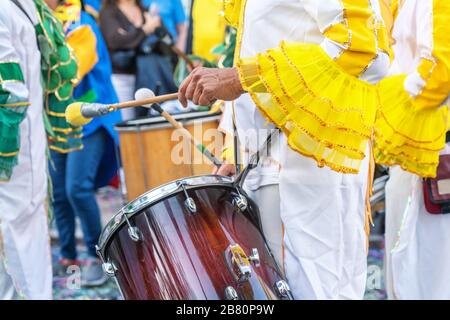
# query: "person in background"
125,25
77,176
173,17
410,133
93,7
28,95
206,29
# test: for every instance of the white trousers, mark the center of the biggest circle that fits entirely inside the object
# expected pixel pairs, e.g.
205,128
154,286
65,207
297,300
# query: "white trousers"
7,288
268,199
26,270
323,213
417,243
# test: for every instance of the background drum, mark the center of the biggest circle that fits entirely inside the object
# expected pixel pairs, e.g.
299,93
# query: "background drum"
146,150
191,239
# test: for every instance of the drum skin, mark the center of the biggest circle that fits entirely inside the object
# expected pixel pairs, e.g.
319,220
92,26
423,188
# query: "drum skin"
182,255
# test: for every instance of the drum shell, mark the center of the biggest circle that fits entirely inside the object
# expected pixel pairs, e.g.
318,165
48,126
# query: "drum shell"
182,255
147,147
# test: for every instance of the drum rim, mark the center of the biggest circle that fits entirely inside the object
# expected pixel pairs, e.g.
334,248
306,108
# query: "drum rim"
152,122
113,225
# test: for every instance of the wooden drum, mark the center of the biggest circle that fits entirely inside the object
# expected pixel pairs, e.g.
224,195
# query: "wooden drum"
153,153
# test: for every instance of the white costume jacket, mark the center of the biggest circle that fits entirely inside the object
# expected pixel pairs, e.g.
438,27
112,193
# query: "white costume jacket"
25,247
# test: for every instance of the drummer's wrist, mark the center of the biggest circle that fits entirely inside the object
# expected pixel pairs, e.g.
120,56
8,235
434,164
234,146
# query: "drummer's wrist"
237,85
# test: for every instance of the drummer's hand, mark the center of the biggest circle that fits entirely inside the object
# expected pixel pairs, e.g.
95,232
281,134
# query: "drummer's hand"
206,85
225,169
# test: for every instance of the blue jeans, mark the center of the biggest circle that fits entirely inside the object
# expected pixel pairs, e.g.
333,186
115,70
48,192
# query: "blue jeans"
73,177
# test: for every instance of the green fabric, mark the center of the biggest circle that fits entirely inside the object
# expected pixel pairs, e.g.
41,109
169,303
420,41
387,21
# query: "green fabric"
9,140
11,115
227,48
10,71
59,71
89,96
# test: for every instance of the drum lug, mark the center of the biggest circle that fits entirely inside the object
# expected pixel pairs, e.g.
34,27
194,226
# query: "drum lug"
189,203
283,290
134,233
240,202
231,293
238,263
254,258
109,268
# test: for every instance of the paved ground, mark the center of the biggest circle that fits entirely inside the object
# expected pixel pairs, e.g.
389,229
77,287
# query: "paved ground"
110,203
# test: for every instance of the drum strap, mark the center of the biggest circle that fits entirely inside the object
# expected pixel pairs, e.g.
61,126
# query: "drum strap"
254,159
237,149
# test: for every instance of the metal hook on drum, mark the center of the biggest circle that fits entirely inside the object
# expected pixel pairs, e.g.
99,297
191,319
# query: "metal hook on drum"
108,267
133,232
189,203
283,290
240,202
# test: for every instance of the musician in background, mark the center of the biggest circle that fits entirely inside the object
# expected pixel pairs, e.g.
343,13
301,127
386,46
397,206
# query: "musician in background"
78,175
317,87
410,133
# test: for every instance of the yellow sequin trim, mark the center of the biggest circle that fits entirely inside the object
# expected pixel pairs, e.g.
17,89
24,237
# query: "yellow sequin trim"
9,154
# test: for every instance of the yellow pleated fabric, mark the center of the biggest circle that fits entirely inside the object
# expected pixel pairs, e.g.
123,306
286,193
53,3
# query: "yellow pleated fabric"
410,131
405,134
326,113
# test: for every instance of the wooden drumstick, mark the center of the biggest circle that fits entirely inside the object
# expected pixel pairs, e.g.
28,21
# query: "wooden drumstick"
79,113
143,102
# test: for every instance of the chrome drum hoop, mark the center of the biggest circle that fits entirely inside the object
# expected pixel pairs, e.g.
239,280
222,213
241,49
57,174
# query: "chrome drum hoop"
152,197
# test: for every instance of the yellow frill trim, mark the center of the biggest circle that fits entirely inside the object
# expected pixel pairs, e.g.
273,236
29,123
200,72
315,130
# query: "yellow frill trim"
231,10
406,134
326,113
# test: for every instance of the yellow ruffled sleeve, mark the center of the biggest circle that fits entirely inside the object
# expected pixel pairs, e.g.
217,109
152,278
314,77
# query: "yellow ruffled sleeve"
231,10
412,122
326,113
312,91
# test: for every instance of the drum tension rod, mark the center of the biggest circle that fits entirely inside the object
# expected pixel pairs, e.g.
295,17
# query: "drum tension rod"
108,267
133,232
189,203
231,293
284,291
239,201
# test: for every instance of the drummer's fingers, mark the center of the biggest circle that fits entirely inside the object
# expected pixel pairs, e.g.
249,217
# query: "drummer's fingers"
192,86
197,93
182,90
207,96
